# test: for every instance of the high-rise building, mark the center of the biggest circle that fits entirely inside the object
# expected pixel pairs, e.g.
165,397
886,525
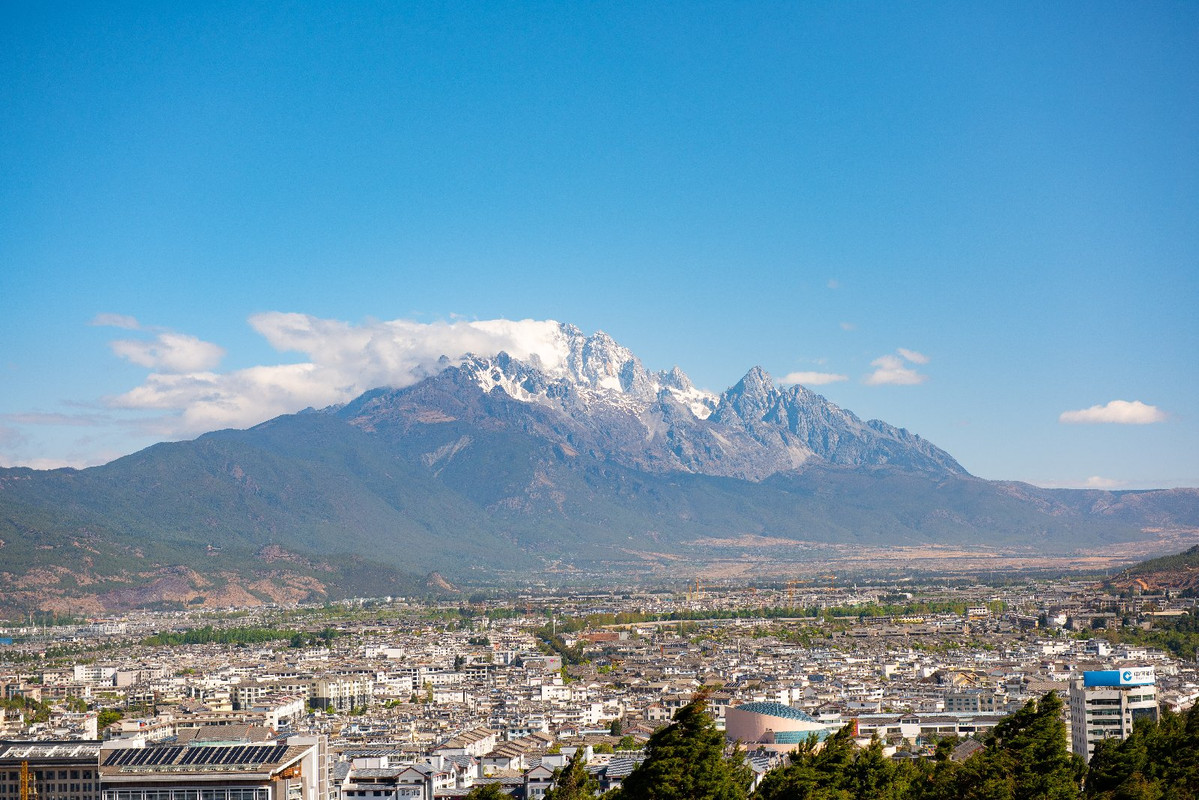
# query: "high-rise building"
1104,704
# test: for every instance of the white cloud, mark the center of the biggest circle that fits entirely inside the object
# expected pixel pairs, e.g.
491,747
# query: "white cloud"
894,371
1097,482
116,321
812,378
833,283
342,361
848,326
1093,482
170,351
1119,412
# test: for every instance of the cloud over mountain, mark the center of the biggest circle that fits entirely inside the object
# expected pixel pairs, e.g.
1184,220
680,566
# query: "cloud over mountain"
342,360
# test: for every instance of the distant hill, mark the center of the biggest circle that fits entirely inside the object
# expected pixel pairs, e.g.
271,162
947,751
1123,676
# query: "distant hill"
1184,561
1178,572
587,466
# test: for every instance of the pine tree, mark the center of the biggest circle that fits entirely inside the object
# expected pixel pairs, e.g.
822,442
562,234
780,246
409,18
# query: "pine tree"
573,782
686,761
1158,761
487,791
836,769
1026,757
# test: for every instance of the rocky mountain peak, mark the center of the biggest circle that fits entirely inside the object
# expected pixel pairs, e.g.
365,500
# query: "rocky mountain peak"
757,383
593,395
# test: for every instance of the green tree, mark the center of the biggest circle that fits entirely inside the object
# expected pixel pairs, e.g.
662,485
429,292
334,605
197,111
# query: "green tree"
1025,757
108,716
573,782
487,791
837,769
1158,760
685,761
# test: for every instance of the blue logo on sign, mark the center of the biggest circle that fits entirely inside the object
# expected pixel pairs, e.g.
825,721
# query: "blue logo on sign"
1127,675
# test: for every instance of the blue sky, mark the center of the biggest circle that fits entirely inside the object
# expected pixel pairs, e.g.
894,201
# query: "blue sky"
1007,195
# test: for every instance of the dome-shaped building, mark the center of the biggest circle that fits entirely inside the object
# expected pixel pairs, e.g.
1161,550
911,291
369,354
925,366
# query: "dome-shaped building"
770,726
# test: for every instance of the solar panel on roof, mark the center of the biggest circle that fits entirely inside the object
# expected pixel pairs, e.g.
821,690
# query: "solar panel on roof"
164,755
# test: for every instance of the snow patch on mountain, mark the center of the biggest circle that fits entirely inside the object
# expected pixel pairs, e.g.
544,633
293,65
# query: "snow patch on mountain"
590,370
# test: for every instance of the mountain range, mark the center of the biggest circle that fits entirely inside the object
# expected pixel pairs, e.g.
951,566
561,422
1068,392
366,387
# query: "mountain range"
578,463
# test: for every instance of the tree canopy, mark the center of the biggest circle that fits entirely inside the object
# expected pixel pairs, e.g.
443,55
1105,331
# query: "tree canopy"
686,761
1158,761
1024,757
573,782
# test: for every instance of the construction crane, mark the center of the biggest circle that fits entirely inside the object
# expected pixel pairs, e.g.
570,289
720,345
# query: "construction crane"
28,787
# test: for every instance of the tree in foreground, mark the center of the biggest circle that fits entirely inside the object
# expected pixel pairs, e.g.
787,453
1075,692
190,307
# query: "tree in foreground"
1025,757
487,791
573,782
686,761
1158,761
839,770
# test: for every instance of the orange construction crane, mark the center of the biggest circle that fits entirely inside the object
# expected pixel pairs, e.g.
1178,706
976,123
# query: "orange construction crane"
28,787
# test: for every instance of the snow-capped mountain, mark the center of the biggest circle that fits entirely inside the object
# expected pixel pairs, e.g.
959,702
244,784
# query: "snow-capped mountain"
598,368
575,458
591,394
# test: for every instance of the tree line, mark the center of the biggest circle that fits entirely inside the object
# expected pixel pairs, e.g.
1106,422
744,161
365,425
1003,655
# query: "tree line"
1023,758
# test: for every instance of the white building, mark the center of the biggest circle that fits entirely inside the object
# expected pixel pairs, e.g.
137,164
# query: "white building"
1104,704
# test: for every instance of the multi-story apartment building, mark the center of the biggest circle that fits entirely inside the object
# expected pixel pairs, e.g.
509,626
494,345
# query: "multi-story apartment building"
1105,704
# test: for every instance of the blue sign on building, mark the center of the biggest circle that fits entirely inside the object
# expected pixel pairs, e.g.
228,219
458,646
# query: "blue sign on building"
1129,676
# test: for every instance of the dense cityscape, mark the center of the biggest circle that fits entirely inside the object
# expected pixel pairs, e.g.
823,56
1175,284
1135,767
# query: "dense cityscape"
392,697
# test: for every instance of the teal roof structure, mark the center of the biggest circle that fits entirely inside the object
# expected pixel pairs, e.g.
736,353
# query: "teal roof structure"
771,709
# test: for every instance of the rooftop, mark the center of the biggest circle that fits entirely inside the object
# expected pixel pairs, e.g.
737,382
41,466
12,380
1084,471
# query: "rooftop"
772,709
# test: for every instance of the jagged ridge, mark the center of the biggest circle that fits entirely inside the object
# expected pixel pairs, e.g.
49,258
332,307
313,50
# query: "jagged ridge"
604,402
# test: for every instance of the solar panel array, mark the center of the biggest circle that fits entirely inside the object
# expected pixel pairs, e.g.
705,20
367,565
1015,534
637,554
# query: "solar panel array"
143,756
237,755
241,754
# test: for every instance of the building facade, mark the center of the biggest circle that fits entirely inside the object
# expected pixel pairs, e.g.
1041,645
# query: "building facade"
1105,704
63,770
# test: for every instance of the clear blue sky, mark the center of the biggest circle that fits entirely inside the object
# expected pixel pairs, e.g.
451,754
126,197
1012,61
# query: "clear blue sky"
1010,191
